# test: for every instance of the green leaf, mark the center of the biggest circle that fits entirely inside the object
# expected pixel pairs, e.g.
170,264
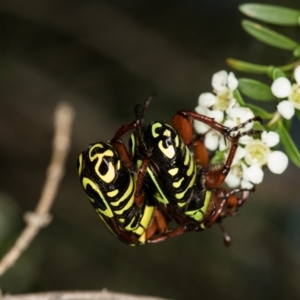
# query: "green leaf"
237,95
255,89
298,113
289,145
246,67
296,52
218,158
277,73
269,36
258,126
272,14
258,111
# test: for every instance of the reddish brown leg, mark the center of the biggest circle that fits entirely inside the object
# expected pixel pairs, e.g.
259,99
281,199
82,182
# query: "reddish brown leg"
158,225
182,122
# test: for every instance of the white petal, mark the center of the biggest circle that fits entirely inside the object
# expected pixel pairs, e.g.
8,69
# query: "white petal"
286,109
232,180
254,174
217,115
207,99
277,162
219,80
200,127
246,139
222,144
281,87
229,123
241,115
211,140
239,154
270,138
232,82
245,184
297,74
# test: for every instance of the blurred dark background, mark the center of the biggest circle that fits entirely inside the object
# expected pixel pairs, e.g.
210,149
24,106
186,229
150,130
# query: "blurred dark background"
104,57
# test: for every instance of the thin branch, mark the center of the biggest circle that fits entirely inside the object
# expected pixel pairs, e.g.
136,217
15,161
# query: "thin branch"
63,118
87,295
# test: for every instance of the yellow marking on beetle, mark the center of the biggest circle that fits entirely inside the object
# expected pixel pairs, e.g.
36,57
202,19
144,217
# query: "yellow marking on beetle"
153,129
181,195
130,190
129,227
133,144
118,164
107,212
147,216
128,204
173,171
199,213
168,152
80,164
176,141
167,132
112,193
122,220
111,173
91,199
161,196
177,184
142,238
187,157
191,168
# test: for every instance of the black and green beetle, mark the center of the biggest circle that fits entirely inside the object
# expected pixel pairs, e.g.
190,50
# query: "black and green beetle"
140,192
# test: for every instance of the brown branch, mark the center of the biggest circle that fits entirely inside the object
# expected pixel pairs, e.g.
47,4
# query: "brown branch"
63,118
79,295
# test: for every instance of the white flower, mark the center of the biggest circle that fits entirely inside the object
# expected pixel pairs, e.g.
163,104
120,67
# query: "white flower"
253,157
211,140
254,174
277,162
270,138
283,88
239,115
286,109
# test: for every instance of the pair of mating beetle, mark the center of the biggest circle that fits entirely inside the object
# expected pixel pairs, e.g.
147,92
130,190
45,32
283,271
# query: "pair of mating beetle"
163,185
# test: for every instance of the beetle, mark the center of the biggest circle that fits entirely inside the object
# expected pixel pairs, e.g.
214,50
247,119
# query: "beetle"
139,192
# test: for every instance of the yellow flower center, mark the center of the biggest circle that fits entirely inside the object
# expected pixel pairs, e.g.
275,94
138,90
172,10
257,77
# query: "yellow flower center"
295,95
256,152
223,100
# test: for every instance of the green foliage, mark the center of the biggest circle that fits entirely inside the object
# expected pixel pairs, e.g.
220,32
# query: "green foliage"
268,36
289,144
276,15
261,91
255,89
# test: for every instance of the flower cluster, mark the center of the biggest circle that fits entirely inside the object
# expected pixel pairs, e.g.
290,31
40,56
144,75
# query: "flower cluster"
252,153
282,88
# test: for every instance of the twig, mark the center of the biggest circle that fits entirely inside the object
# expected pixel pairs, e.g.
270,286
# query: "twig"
79,295
40,218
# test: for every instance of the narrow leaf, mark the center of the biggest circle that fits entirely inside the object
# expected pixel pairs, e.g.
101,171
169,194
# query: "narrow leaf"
246,67
237,95
258,111
269,36
289,145
272,14
255,89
